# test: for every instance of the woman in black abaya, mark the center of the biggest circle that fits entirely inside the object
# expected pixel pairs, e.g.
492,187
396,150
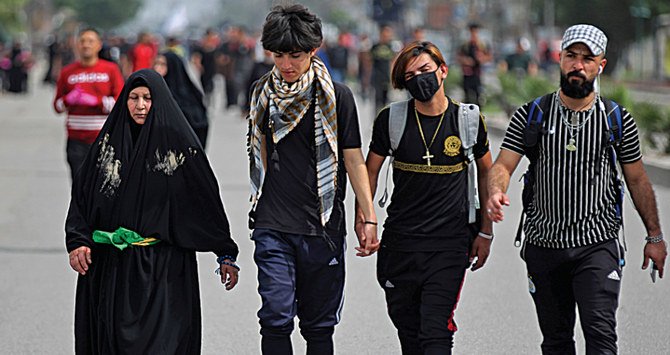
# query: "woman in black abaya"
144,201
188,96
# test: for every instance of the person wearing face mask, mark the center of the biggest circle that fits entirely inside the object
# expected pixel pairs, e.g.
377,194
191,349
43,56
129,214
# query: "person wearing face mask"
572,220
428,241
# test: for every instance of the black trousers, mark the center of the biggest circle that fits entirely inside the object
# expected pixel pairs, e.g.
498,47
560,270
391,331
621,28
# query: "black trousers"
76,152
588,277
422,290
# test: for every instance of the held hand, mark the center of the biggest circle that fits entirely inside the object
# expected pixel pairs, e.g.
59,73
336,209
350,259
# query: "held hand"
229,275
369,243
80,259
657,252
481,248
494,206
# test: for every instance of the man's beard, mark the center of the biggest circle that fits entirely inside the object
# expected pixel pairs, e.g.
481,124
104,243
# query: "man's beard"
575,89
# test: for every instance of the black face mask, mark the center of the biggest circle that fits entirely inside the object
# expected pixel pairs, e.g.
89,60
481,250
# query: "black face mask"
422,87
574,89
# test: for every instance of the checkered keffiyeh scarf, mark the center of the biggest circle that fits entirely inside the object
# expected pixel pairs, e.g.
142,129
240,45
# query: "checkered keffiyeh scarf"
288,104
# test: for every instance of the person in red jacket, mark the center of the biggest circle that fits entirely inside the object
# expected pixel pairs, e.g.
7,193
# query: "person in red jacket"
144,52
87,90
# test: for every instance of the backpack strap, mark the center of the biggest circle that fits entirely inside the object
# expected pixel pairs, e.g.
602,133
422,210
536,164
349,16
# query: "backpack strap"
397,122
531,137
614,138
468,127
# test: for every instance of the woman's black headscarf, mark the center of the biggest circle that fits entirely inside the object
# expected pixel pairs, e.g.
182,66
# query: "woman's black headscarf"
159,184
184,90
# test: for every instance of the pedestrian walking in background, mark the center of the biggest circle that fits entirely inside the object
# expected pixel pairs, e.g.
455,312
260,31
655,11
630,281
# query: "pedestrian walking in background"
472,56
235,58
86,90
189,98
304,141
573,197
382,54
143,52
204,60
145,200
429,240
20,63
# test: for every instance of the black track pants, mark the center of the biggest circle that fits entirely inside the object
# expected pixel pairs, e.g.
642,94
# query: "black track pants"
588,277
422,290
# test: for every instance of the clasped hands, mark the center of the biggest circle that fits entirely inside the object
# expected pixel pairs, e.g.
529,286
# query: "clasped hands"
368,243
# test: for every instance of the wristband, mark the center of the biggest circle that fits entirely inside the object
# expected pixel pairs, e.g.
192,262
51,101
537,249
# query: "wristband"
371,222
221,258
486,235
654,239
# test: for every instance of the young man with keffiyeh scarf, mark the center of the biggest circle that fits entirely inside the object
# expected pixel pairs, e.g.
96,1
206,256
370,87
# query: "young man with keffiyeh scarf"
303,137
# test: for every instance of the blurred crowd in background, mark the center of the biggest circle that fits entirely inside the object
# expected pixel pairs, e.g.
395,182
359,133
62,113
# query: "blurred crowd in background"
236,54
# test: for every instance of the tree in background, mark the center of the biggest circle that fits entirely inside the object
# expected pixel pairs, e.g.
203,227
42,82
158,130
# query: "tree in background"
11,13
615,18
104,14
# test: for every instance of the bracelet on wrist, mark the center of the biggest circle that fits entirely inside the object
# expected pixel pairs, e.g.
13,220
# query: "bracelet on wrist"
222,258
654,239
486,235
371,222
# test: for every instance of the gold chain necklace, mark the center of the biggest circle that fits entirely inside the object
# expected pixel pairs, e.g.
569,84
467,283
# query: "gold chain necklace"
428,156
573,125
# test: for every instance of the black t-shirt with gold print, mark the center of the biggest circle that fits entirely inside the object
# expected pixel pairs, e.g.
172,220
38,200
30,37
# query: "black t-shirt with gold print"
429,204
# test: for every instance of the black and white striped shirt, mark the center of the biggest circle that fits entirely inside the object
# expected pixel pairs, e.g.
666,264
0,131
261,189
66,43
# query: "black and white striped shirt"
568,210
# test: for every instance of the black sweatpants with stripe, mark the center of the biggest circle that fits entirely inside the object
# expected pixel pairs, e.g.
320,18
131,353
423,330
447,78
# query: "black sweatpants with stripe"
588,277
422,290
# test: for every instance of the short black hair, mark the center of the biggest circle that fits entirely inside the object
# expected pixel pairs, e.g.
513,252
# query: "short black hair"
290,28
90,29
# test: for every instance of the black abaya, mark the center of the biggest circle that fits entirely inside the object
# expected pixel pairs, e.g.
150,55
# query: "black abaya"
145,299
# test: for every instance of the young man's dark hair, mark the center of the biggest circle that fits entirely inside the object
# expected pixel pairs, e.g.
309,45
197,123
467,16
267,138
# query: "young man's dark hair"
291,28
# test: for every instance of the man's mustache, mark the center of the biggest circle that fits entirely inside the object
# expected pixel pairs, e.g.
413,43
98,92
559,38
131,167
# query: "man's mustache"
577,74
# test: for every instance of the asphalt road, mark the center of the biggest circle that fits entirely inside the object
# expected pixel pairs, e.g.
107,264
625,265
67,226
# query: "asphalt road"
495,315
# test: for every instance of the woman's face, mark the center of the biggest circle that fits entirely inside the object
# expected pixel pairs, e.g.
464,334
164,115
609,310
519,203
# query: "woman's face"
160,65
139,104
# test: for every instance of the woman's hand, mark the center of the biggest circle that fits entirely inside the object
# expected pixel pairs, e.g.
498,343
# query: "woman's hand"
80,259
229,274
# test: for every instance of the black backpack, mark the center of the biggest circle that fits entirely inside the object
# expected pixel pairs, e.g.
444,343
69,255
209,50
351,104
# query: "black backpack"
535,130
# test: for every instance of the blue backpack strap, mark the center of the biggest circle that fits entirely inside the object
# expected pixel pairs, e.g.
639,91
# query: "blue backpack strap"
535,107
531,137
615,135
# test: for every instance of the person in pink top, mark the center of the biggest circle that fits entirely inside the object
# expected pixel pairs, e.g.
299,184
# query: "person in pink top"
87,90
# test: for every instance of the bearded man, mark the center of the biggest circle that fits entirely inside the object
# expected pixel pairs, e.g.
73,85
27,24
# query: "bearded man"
572,199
